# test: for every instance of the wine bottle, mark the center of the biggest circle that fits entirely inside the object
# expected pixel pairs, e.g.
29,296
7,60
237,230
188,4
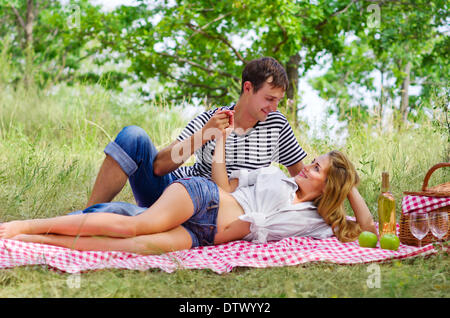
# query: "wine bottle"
386,208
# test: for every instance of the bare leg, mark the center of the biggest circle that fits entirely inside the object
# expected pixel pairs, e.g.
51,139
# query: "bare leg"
173,240
109,182
173,208
108,224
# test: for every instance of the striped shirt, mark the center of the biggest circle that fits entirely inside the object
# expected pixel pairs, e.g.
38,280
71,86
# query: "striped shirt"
269,141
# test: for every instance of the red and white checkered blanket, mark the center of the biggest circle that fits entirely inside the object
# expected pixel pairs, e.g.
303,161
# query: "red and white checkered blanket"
417,203
220,258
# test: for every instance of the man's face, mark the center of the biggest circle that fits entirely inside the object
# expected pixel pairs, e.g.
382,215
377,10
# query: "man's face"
264,101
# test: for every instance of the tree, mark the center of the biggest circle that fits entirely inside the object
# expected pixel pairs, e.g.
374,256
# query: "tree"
49,41
198,48
407,46
26,23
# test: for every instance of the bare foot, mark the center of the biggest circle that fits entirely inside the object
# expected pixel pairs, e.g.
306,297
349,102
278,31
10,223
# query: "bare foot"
10,229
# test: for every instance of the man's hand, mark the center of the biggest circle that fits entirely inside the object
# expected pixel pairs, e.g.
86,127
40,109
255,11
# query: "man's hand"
220,124
228,130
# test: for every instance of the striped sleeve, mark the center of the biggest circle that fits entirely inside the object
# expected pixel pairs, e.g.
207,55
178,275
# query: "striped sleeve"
195,125
289,151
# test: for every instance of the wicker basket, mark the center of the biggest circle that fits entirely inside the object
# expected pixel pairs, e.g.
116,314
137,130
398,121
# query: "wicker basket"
442,190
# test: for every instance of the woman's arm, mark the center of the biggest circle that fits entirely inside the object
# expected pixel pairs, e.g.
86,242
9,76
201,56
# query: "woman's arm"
219,168
237,230
362,213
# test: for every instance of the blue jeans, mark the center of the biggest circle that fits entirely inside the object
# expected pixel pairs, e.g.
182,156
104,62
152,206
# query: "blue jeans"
134,152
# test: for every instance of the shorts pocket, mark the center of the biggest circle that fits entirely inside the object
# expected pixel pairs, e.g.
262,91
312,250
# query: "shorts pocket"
204,232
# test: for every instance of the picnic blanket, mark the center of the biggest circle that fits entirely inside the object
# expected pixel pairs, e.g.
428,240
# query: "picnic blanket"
220,258
423,204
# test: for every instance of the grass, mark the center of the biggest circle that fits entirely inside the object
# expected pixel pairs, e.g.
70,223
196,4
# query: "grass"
51,147
409,278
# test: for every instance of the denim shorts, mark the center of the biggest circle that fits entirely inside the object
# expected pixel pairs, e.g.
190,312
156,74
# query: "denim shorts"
202,226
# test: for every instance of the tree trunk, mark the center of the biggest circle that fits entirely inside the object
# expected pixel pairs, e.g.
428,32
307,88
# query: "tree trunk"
27,26
380,111
405,92
291,93
29,42
29,23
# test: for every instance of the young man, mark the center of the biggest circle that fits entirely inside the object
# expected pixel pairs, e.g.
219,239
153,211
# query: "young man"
261,135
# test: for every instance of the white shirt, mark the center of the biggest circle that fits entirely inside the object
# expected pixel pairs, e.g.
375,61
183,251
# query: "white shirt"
266,195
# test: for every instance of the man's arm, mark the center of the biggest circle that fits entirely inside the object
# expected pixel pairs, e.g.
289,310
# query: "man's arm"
174,155
362,213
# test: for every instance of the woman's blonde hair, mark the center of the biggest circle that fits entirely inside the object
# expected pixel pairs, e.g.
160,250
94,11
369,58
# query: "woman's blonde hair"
341,178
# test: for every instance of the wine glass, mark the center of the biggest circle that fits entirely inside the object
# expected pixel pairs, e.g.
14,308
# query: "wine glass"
419,225
439,223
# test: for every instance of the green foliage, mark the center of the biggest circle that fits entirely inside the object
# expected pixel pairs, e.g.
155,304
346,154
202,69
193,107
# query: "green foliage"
406,33
413,278
198,48
61,38
51,139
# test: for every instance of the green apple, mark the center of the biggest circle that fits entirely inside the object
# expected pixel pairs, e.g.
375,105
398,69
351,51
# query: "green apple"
389,242
367,239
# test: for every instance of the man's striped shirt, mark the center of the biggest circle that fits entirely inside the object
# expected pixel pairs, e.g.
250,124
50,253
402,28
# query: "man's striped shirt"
269,141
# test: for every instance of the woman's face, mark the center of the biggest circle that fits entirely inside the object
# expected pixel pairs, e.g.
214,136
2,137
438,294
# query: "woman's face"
312,178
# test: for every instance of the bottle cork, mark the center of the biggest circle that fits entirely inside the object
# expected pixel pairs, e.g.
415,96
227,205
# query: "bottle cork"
384,181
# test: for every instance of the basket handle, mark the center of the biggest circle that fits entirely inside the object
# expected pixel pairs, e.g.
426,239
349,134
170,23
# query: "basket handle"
432,169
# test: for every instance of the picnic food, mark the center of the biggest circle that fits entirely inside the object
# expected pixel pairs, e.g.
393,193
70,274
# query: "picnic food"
367,239
389,242
386,208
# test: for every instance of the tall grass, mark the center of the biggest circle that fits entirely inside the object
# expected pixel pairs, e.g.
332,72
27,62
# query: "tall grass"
51,144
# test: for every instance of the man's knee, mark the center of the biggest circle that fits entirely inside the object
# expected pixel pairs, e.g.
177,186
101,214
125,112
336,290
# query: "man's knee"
131,134
134,140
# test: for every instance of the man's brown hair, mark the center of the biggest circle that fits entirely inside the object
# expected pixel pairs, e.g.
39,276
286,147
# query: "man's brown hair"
259,70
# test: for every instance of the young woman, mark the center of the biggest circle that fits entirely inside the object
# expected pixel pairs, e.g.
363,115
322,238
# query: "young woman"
259,206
